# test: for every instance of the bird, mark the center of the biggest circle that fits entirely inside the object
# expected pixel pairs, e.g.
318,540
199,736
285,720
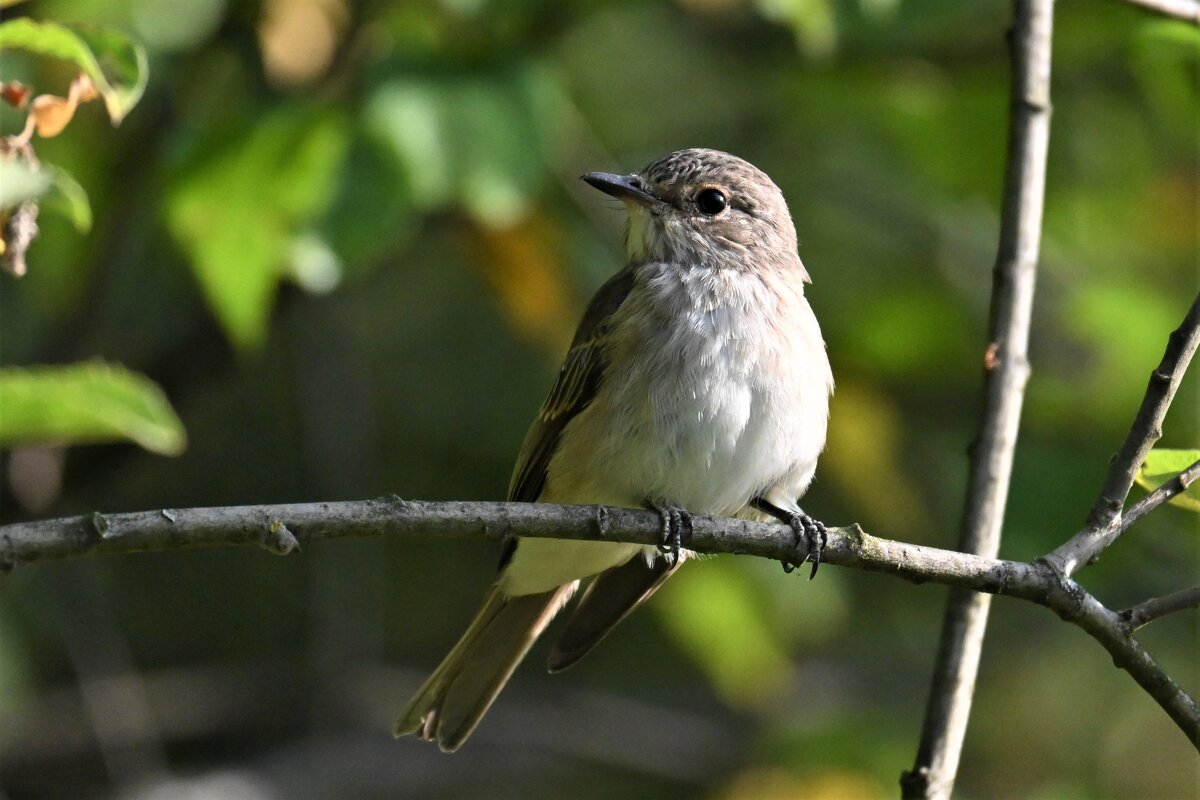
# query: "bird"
697,382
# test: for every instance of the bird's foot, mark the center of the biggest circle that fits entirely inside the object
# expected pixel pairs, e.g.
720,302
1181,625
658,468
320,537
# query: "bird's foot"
677,523
814,536
805,529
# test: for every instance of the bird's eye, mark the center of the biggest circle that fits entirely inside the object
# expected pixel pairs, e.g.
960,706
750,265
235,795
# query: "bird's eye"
711,202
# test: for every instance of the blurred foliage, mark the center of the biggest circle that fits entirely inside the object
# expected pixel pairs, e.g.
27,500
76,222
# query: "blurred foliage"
115,64
19,184
86,403
348,242
240,210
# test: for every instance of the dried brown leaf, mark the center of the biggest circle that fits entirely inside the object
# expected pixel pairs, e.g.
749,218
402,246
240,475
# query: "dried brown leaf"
51,114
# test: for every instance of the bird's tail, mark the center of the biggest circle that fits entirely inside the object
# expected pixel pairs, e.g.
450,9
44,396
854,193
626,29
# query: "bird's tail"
451,702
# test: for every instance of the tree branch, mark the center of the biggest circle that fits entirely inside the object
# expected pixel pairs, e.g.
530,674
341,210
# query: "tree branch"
1186,10
1176,486
1157,607
1147,426
965,621
1106,522
280,529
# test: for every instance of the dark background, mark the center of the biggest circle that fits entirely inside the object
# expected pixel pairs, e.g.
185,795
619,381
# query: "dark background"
348,241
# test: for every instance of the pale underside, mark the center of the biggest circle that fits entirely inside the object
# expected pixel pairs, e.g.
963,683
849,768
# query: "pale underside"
706,412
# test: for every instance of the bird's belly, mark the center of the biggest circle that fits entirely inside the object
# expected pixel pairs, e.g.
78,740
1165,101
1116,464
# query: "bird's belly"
716,390
707,441
541,565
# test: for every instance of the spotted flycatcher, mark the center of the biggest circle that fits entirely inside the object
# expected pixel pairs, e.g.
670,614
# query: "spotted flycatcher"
697,382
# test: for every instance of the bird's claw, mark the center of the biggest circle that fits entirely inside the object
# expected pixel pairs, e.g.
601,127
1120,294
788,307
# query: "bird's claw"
814,536
676,524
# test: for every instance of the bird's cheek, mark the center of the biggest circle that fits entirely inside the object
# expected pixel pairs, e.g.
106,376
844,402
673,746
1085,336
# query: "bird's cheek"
642,241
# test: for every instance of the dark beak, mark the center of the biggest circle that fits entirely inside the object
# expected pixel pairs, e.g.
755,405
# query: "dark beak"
622,187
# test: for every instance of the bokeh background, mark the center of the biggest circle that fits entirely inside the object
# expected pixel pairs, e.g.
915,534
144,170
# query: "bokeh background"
348,241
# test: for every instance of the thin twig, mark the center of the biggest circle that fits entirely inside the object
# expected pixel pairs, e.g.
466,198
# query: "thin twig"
1176,486
965,622
1158,607
1105,522
1186,10
1147,426
280,529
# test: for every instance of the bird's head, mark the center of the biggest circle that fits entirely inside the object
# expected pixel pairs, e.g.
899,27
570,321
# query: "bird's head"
704,207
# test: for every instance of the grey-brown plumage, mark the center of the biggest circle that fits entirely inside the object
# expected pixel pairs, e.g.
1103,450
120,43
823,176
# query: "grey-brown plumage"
612,596
697,379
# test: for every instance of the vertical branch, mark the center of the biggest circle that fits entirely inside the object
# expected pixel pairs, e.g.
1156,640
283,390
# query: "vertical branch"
1007,367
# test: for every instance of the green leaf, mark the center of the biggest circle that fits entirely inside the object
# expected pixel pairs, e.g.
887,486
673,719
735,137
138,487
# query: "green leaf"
479,140
238,210
19,184
1164,464
86,403
116,64
68,198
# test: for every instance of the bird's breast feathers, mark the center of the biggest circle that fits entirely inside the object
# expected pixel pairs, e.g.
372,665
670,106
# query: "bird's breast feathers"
715,388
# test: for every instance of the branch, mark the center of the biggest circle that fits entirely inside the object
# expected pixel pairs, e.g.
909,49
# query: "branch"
1186,10
1105,522
1176,486
965,621
1147,426
1155,608
280,529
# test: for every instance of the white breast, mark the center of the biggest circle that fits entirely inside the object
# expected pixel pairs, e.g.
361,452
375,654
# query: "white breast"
717,389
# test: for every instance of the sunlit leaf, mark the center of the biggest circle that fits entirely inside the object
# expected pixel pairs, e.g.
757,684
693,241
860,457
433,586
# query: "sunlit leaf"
86,403
62,193
238,210
1163,464
18,183
116,64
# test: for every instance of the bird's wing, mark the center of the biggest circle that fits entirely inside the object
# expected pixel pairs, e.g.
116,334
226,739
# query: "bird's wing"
610,599
574,389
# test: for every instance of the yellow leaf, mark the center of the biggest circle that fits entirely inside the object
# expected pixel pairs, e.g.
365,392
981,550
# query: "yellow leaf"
1163,464
51,114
